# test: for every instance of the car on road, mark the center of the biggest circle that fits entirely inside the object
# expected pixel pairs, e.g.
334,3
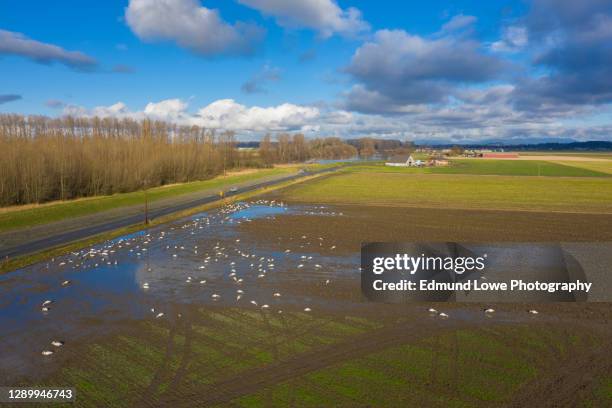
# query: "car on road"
233,189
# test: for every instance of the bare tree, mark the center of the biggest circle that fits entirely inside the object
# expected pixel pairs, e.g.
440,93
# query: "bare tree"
43,159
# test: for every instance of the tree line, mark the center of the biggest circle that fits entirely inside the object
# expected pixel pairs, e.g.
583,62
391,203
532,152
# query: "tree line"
288,148
44,159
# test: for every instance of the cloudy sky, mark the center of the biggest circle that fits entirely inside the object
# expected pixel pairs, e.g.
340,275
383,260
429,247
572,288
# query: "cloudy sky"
457,71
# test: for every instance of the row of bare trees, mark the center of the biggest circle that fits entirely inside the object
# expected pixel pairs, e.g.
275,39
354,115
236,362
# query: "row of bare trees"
43,159
296,148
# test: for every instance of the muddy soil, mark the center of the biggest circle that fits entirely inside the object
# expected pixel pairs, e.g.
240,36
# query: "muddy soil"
315,252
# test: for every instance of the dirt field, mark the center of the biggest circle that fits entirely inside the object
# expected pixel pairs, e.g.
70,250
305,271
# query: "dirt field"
458,375
339,351
372,224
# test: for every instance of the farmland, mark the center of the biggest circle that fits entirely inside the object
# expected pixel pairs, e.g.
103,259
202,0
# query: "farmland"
377,361
593,194
501,168
258,303
599,166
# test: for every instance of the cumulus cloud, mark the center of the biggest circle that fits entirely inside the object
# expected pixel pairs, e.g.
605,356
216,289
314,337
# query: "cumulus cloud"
170,110
191,26
458,22
223,114
514,38
9,98
571,41
479,114
405,69
324,16
361,99
117,110
450,86
229,115
256,83
12,43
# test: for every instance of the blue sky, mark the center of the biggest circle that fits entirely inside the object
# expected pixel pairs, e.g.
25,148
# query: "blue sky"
444,70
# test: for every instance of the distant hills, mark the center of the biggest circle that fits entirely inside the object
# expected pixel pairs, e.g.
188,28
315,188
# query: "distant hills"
553,146
514,144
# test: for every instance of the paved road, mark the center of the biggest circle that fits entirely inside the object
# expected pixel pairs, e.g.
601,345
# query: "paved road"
62,238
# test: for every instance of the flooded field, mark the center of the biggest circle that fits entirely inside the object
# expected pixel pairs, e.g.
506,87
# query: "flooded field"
258,303
201,261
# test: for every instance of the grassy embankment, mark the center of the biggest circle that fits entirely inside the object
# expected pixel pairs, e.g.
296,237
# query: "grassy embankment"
27,216
468,184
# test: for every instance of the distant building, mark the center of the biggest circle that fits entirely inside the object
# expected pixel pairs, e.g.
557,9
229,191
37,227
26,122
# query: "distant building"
438,162
402,161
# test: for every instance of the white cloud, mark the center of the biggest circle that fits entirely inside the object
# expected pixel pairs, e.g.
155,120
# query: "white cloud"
223,114
230,115
514,38
459,22
396,68
117,110
475,115
171,110
12,43
325,16
190,25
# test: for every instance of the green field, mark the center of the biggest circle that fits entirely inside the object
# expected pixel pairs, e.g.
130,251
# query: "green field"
592,194
322,166
600,166
499,167
212,346
468,368
212,356
15,217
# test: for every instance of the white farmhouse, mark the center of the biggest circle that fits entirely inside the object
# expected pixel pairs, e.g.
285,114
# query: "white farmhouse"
403,161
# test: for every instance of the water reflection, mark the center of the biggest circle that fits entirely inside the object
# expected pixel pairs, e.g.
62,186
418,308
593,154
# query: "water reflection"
201,259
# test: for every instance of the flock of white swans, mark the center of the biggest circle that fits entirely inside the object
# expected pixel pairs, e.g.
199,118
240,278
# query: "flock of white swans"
251,268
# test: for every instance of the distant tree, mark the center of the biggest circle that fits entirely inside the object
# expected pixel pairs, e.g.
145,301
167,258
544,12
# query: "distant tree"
367,147
404,150
266,151
300,152
44,159
283,149
457,150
